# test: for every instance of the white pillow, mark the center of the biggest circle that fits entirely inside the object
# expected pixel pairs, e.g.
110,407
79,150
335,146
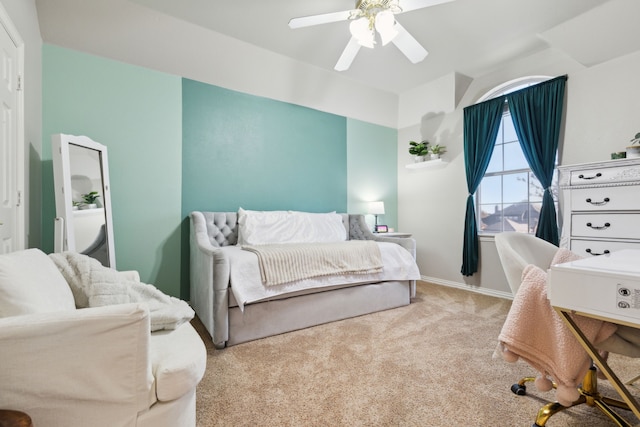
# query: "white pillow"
31,283
264,227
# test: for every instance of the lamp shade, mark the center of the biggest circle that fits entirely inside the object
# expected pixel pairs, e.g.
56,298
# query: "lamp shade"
385,22
362,31
376,208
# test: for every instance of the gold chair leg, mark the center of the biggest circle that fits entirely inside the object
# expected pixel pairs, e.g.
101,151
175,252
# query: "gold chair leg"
593,397
520,388
553,408
588,394
620,422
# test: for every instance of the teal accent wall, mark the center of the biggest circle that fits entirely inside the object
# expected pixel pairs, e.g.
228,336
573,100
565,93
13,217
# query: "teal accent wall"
137,114
372,159
246,151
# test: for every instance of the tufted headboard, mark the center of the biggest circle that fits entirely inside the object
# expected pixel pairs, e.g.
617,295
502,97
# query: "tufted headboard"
222,228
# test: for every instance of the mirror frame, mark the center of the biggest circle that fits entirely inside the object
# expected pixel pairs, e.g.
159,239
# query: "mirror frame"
64,239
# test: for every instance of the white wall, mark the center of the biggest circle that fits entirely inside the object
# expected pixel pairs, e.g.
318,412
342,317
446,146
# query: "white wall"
603,111
602,114
24,16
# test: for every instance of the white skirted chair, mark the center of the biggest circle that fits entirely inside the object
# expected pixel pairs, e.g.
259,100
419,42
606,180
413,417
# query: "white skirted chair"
98,366
516,252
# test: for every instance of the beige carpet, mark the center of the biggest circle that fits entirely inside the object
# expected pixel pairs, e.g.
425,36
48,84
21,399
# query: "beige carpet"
427,364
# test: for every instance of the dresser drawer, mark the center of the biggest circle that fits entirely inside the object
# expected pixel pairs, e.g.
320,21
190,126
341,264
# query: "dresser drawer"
599,247
606,198
605,175
606,225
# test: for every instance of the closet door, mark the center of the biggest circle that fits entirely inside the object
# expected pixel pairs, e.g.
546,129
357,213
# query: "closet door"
11,227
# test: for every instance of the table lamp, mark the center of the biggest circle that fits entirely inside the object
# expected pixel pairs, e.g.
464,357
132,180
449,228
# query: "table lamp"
376,208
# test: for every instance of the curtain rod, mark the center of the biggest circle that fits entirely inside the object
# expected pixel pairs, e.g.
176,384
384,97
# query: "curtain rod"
564,77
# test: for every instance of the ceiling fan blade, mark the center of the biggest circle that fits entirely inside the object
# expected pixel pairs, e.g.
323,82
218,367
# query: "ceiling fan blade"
307,21
348,54
409,5
409,45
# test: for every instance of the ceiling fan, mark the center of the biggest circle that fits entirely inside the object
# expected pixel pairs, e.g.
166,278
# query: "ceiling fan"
368,17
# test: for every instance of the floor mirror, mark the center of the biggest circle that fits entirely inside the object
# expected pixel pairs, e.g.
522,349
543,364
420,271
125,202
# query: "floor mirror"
83,220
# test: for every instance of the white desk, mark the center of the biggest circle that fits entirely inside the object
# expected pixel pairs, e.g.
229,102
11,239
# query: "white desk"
605,287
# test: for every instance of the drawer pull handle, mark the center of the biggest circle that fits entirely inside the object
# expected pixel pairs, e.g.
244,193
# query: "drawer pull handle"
595,227
603,202
606,251
598,175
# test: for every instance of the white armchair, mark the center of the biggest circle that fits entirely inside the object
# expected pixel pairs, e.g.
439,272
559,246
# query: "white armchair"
98,367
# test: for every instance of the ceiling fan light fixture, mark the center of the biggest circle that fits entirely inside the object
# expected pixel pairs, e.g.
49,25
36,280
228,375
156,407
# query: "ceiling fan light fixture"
385,23
369,17
362,31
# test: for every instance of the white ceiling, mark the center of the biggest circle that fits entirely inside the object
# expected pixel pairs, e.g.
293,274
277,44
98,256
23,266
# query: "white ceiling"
471,37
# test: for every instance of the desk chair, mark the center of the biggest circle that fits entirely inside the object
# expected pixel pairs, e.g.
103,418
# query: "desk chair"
516,251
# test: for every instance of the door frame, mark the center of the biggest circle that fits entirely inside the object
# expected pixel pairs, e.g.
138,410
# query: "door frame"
21,165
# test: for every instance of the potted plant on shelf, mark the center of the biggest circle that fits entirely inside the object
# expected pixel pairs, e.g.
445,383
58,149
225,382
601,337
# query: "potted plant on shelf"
419,150
89,200
634,150
436,150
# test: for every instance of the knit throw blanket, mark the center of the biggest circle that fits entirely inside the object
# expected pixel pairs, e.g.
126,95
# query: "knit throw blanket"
535,332
282,263
94,285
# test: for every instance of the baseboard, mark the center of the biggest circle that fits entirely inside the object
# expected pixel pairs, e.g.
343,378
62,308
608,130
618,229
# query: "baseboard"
466,287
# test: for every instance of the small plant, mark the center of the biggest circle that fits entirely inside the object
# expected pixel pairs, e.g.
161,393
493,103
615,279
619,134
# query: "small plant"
437,149
636,139
419,148
90,198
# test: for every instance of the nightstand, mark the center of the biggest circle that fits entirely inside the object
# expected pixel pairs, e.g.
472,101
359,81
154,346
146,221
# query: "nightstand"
393,234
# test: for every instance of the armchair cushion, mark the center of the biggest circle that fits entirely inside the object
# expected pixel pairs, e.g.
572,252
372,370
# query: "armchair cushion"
173,361
30,283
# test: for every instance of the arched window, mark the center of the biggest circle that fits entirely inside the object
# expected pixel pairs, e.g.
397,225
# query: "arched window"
510,196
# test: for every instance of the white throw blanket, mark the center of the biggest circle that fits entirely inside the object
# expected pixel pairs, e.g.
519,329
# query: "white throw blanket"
247,286
94,285
282,263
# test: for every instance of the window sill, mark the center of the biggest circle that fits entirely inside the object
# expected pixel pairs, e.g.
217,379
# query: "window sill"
486,237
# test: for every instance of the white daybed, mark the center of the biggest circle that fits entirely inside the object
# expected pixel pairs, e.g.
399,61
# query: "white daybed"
232,316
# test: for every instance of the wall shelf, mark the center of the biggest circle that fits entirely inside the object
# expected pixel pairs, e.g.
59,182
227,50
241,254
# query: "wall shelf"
427,164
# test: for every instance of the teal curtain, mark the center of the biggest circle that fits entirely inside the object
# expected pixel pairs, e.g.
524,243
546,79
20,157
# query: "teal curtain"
537,114
481,124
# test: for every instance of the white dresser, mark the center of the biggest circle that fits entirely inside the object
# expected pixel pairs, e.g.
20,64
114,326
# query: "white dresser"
601,206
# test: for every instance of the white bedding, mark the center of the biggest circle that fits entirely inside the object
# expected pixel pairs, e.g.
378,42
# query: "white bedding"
247,286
